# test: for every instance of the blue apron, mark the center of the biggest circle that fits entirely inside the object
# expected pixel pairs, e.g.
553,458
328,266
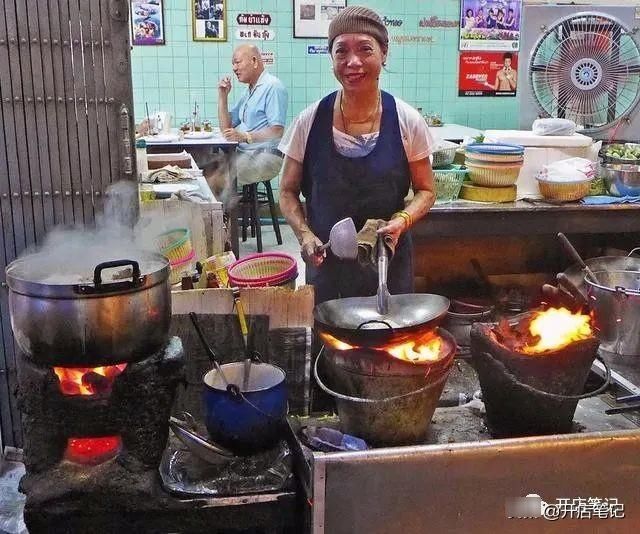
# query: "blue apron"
369,187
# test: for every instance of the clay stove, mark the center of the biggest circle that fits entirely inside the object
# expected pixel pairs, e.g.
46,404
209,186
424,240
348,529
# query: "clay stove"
94,436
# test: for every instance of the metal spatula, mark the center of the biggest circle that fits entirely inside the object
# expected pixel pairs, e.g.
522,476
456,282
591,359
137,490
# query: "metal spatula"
343,240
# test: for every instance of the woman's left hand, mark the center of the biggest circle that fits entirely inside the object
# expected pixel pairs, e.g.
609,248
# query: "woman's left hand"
393,228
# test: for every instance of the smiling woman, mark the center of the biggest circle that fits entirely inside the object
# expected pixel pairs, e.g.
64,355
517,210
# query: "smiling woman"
355,154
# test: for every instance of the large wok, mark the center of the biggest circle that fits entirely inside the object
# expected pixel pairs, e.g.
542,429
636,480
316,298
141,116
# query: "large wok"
356,320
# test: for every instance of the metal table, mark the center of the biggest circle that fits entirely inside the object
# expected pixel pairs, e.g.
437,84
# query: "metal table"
195,146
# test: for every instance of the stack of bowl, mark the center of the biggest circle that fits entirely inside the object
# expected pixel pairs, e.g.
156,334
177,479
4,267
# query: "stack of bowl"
493,170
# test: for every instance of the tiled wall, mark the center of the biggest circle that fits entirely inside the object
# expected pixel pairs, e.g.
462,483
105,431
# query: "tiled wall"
171,76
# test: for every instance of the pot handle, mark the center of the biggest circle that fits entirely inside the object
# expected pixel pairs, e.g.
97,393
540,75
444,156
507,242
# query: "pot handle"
100,287
531,389
633,251
361,400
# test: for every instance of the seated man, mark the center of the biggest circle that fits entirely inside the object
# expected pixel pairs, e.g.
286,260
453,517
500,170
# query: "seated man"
257,119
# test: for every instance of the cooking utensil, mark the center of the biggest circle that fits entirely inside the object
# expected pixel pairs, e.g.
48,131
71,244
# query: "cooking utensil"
197,444
122,311
491,291
382,298
567,284
242,320
602,263
569,248
356,320
343,240
230,387
253,420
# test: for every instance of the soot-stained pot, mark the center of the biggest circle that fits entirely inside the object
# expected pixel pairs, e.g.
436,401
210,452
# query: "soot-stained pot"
120,311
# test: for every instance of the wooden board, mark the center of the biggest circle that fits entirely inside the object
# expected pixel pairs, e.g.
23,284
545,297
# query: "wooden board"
286,308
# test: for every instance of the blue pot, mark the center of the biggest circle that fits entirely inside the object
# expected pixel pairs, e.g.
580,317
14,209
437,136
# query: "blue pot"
253,420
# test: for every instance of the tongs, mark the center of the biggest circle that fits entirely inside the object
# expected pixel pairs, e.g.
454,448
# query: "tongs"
382,302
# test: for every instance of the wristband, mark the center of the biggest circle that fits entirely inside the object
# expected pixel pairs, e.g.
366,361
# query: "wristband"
405,216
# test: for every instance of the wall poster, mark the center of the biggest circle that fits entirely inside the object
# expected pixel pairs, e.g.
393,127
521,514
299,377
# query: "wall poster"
209,20
490,24
311,18
147,22
488,74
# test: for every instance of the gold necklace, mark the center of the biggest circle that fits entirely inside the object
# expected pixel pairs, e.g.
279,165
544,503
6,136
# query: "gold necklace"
368,119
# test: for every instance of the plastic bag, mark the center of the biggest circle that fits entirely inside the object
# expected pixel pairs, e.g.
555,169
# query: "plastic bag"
569,170
553,127
11,500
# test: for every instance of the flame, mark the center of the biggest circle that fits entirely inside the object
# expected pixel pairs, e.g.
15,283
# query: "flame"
557,328
92,451
87,380
426,348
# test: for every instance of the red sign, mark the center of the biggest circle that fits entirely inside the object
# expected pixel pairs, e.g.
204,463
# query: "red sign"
254,19
488,74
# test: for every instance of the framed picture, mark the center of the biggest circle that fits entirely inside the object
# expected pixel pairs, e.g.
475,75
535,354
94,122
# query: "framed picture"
311,18
209,20
147,22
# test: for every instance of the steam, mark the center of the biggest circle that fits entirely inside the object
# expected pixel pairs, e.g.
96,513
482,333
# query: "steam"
69,255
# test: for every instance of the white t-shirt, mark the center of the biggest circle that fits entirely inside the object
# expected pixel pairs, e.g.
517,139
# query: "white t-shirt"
416,138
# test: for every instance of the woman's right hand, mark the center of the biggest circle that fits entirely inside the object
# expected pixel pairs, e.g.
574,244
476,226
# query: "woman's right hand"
309,245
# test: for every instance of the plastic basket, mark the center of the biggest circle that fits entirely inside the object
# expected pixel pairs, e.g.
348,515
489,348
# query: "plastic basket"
261,270
448,182
493,175
567,191
445,154
175,244
177,268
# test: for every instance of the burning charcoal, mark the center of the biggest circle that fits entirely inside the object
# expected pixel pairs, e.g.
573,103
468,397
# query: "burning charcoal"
69,387
96,382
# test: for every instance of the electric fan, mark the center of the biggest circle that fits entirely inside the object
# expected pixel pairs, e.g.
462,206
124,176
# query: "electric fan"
586,67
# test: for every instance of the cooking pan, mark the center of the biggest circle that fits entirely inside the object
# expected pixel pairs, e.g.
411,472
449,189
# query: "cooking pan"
356,320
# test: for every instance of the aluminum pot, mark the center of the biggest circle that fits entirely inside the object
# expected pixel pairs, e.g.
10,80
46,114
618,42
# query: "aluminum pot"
616,304
621,179
121,313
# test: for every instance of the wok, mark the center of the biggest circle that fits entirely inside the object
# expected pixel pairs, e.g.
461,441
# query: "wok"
356,320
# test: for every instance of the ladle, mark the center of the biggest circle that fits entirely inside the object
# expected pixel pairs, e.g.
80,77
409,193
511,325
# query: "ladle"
484,279
570,249
382,301
343,240
232,388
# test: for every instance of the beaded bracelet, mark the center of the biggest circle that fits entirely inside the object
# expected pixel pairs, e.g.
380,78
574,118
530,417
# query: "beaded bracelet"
404,216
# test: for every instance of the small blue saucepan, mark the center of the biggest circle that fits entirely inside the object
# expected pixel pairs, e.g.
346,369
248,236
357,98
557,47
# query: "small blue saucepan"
247,419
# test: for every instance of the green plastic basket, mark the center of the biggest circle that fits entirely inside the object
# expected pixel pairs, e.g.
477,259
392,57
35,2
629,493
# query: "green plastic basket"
448,181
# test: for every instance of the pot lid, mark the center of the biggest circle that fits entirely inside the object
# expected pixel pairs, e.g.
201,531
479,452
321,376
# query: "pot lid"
498,149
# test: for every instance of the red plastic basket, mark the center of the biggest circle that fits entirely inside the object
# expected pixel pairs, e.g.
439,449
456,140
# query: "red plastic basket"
261,270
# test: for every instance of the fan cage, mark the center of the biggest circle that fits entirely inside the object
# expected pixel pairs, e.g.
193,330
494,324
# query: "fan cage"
586,67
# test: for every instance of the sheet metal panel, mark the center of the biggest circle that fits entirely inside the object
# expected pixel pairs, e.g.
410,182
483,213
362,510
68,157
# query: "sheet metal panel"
465,487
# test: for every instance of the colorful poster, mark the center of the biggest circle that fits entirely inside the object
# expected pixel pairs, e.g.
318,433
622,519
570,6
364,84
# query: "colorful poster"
490,24
488,74
147,22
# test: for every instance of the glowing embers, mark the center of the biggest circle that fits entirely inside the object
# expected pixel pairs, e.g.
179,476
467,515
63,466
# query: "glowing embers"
88,380
426,348
545,331
92,451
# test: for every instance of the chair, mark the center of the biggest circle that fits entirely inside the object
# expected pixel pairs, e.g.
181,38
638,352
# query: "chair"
250,201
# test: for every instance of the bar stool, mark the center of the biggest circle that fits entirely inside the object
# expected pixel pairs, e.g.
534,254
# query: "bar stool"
250,203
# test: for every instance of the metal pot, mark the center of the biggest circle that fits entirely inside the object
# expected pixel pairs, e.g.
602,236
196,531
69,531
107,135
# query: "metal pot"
616,304
58,322
621,179
356,320
602,263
